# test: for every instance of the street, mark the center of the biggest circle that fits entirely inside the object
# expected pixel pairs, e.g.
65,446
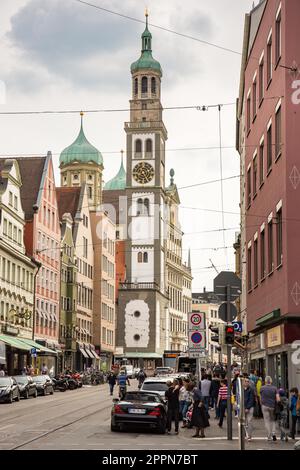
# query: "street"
80,419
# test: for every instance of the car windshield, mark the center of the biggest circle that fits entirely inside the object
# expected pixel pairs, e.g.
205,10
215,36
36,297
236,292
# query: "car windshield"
5,381
40,378
143,397
21,379
155,386
163,370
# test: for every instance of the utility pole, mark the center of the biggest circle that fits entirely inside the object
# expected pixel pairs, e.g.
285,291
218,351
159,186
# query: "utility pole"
229,408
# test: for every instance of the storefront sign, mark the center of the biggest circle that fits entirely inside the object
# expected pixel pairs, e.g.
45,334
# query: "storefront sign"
11,330
274,336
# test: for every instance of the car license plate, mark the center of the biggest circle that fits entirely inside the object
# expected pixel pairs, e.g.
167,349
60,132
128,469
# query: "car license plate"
137,411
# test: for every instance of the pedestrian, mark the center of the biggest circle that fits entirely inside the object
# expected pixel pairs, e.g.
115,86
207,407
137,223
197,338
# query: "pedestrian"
222,401
214,392
44,369
205,391
112,379
269,397
199,415
189,386
257,409
172,395
141,376
295,410
283,415
249,403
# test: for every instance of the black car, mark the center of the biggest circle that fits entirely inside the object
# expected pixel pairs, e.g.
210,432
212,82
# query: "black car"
139,409
26,385
44,384
9,390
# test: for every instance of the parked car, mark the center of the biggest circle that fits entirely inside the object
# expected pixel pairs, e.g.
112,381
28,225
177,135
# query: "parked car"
9,390
44,384
139,409
163,371
26,385
156,385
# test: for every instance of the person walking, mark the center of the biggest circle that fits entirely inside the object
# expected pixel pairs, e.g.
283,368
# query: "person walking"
189,386
205,391
269,397
141,376
222,401
295,400
199,415
172,395
283,415
214,392
44,369
111,379
249,402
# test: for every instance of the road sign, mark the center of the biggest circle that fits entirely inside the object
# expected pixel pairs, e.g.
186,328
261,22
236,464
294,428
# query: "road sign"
198,354
238,326
223,312
197,340
33,352
196,321
224,279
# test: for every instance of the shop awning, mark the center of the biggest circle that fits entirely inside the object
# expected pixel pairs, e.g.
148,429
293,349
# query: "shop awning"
83,352
89,353
144,355
15,342
38,346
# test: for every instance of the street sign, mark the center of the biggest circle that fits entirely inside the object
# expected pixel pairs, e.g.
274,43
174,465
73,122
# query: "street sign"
33,352
198,354
197,340
238,326
196,321
224,279
223,312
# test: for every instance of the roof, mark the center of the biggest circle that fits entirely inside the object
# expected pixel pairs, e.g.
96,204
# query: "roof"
67,201
205,297
118,182
31,169
146,61
81,150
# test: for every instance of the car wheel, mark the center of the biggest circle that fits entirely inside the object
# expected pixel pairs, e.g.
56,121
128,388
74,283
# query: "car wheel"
114,428
51,391
44,392
18,396
26,395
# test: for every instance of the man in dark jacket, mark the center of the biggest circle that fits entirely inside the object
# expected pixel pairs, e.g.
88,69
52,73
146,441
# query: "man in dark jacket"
172,395
111,379
214,392
249,401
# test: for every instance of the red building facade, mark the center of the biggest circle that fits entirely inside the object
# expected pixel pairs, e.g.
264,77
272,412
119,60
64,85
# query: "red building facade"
268,119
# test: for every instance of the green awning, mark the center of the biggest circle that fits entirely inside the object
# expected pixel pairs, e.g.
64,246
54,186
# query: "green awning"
37,346
274,315
15,342
144,355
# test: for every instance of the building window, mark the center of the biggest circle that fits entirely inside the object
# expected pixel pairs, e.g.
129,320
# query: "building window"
16,202
146,206
144,106
262,255
144,84
145,257
255,263
10,198
261,163
90,192
254,175
269,60
140,257
278,38
137,314
149,147
279,236
136,337
269,148
153,86
138,147
136,86
254,98
249,271
85,247
261,80
249,187
248,112
270,247
278,133
140,206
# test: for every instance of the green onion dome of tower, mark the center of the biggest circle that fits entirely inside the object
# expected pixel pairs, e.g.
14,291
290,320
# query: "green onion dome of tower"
146,61
118,182
81,150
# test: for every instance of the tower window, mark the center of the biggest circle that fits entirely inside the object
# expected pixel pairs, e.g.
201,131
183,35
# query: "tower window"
140,257
136,337
144,105
138,146
136,86
140,206
144,84
137,314
149,146
145,257
90,177
90,192
75,177
146,206
153,86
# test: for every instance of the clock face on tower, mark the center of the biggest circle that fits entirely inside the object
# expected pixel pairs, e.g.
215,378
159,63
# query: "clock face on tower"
143,172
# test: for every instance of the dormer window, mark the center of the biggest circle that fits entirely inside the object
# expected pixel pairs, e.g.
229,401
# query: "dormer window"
144,84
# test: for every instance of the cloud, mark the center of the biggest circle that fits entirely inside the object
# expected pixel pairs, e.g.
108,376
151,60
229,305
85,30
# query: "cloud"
91,48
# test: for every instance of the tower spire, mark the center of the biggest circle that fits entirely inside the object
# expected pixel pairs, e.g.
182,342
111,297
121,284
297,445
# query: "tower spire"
81,119
146,36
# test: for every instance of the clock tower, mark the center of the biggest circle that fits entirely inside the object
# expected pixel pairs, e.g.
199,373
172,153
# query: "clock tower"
143,298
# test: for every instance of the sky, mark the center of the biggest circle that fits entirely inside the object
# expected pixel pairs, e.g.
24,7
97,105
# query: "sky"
63,55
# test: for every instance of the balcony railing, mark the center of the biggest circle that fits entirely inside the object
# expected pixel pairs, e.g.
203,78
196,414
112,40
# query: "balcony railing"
146,125
139,285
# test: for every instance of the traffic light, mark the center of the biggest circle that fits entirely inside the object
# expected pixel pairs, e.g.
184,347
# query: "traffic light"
229,334
219,336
